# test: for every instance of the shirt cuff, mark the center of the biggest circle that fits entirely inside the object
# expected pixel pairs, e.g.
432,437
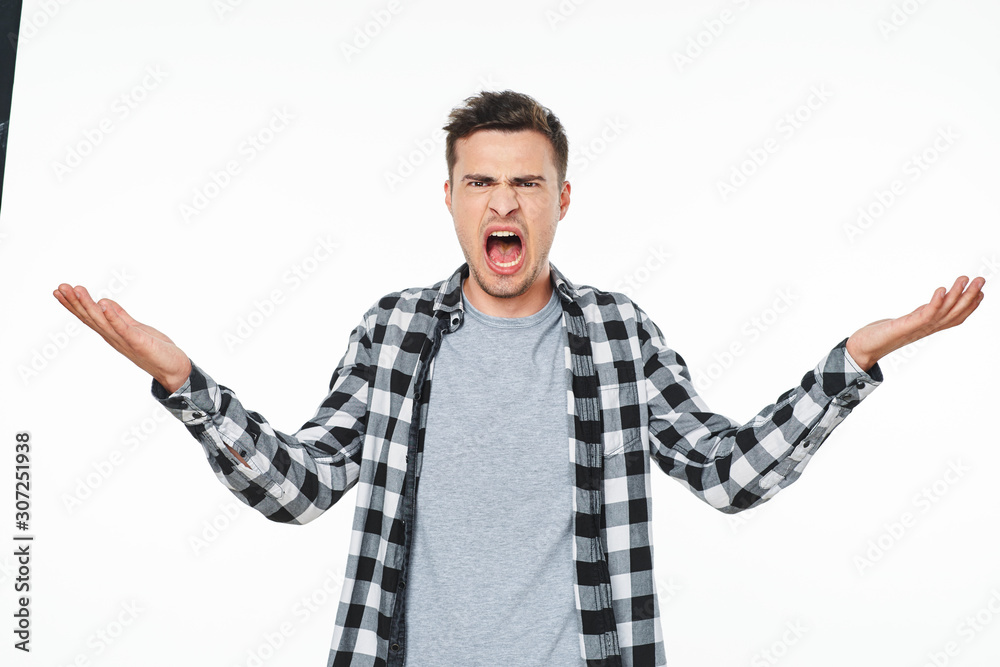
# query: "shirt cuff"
195,401
843,380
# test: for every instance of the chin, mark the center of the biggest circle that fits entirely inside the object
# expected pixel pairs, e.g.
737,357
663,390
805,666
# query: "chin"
500,286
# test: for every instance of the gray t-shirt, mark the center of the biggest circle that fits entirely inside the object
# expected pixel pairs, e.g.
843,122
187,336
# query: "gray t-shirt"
491,578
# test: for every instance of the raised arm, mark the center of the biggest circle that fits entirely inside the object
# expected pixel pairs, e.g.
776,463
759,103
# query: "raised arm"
734,466
146,347
290,478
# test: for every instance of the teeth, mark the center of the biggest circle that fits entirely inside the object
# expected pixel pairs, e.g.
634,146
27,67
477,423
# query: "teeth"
517,260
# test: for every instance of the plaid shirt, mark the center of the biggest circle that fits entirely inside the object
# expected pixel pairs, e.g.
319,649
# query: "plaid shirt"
630,402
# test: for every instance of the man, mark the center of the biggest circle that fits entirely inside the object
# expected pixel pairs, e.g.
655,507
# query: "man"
531,540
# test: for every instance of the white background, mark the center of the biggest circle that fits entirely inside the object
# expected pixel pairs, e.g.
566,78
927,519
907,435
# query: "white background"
662,134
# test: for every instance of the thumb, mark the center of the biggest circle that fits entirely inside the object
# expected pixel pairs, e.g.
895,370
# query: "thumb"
118,310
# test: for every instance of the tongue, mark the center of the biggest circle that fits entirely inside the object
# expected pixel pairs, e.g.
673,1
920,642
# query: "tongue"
503,250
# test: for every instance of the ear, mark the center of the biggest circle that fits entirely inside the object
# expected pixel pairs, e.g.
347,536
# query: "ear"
447,195
564,200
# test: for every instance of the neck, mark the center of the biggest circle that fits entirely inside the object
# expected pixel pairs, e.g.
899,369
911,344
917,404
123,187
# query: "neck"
529,303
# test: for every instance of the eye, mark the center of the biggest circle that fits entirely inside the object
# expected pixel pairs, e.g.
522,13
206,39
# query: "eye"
477,184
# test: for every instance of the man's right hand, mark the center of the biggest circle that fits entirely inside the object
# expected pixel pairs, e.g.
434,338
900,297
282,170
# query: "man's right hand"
148,349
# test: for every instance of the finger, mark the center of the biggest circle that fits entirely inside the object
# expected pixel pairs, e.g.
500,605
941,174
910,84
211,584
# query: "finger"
113,317
112,305
129,328
954,294
96,313
964,298
942,308
966,305
73,307
923,319
133,324
130,337
134,341
71,300
962,306
92,308
971,307
61,298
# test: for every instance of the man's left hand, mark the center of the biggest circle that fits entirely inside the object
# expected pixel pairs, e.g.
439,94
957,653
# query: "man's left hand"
872,342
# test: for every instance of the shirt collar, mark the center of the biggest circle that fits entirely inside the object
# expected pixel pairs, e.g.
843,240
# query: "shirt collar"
449,296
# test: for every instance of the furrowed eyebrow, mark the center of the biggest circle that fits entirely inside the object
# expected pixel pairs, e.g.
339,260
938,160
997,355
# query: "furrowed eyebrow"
489,179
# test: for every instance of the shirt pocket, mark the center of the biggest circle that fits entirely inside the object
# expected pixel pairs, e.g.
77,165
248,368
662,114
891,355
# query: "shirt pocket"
620,412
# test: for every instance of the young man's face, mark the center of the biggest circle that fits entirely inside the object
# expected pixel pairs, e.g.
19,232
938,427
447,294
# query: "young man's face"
506,200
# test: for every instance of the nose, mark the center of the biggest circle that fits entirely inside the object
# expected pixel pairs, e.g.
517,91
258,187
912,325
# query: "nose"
503,200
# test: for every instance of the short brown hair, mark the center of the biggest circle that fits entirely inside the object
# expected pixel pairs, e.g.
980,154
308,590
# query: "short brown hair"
509,112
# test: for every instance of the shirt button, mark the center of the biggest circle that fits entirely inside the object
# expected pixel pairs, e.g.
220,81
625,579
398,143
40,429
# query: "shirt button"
395,647
861,385
199,415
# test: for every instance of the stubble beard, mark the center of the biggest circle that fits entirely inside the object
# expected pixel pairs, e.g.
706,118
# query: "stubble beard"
503,287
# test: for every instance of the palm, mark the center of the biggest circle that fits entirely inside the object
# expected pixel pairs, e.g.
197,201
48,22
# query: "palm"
148,348
945,309
149,338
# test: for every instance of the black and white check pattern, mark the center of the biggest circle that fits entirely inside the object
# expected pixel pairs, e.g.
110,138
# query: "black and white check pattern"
630,400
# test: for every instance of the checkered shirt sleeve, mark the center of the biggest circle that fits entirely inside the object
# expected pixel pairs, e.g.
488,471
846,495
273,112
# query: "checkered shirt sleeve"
290,478
733,466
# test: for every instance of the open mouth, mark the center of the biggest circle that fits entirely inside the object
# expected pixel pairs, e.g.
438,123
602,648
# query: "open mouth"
504,250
